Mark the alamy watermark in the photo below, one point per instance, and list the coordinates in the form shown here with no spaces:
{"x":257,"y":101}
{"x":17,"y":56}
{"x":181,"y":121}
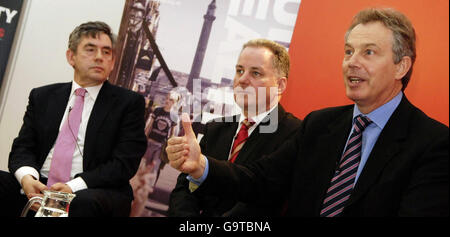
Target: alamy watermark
{"x":253,"y":100}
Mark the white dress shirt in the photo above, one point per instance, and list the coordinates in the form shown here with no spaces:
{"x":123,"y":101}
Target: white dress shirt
{"x":257,"y":119}
{"x":77,"y":161}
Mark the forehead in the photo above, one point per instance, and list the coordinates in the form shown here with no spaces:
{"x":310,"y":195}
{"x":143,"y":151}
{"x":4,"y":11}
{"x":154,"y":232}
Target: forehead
{"x":101,"y":40}
{"x":370,"y":33}
{"x":255,"y":56}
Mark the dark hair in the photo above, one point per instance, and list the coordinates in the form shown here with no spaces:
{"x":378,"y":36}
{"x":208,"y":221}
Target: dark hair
{"x":404,"y":43}
{"x":92,"y":29}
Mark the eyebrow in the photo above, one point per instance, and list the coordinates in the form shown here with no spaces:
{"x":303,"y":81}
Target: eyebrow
{"x":365,"y":45}
{"x":252,"y":68}
{"x":94,"y":45}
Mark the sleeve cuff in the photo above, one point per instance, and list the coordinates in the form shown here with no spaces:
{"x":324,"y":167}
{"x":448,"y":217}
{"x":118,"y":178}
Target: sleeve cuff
{"x":26,"y":170}
{"x":77,"y":184}
{"x":200,"y":180}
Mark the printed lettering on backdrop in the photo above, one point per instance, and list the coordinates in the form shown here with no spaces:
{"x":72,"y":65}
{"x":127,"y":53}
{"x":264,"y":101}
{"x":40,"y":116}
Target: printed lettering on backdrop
{"x":9,"y":16}
{"x":181,"y":55}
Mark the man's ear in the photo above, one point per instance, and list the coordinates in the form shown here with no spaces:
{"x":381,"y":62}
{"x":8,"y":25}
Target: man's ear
{"x":113,"y":61}
{"x":282,"y":84}
{"x":403,"y":67}
{"x":69,"y":55}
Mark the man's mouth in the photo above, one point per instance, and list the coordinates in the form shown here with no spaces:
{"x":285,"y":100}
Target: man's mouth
{"x":98,"y":68}
{"x":355,"y":80}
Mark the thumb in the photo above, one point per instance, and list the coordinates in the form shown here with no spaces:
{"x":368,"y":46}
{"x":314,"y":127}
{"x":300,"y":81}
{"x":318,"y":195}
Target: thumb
{"x":186,"y":122}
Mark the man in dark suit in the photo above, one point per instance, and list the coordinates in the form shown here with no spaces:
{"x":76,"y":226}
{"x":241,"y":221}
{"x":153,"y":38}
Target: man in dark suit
{"x":381,"y":156}
{"x":106,"y":146}
{"x":262,"y":64}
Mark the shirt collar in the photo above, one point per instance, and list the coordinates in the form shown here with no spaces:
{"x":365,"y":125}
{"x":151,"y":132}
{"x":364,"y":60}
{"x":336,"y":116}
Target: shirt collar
{"x":381,"y":115}
{"x":92,"y":91}
{"x":258,"y":118}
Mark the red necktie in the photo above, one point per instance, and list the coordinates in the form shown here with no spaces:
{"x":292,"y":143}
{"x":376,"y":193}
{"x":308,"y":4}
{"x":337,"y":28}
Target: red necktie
{"x":61,"y":164}
{"x":241,"y":137}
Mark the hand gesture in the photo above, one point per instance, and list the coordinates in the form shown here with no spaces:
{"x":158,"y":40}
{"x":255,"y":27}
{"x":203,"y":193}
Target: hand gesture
{"x":184,"y":152}
{"x":32,"y":188}
{"x":61,"y":187}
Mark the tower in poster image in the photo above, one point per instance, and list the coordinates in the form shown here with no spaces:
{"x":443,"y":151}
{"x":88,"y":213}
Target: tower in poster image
{"x":202,"y":45}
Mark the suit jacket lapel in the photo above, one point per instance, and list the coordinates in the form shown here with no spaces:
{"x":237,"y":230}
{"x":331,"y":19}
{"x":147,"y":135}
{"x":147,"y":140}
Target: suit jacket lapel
{"x":386,"y":147}
{"x":227,"y":131}
{"x":329,"y":151}
{"x":55,"y":111}
{"x":103,"y":104}
{"x":257,"y":139}
{"x":219,"y":137}
{"x":228,"y":136}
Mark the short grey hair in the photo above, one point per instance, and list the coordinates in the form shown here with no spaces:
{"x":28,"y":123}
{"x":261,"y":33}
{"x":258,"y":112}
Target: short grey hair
{"x":404,"y":35}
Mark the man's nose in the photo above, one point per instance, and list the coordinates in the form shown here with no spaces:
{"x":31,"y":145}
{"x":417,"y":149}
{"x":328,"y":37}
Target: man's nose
{"x":244,"y":79}
{"x":354,"y":61}
{"x":99,"y":55}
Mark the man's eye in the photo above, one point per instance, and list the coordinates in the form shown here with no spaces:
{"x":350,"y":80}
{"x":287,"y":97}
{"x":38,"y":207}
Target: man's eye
{"x":348,"y":52}
{"x":370,"y":52}
{"x":90,"y":50}
{"x":256,"y":74}
{"x":239,"y":71}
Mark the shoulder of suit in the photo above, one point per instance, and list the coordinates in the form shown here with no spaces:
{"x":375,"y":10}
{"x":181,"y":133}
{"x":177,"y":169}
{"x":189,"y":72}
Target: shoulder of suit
{"x":332,"y":110}
{"x":54,"y":86}
{"x":422,"y":120}
{"x":329,"y":114}
{"x":43,"y":92}
{"x":223,"y":119}
{"x":292,"y":120}
{"x":122,"y":91}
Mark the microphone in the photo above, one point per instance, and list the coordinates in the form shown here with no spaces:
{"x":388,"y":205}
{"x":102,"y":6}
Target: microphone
{"x":71,"y":131}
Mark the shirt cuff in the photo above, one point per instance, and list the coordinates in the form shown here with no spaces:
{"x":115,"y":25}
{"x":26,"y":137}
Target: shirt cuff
{"x":26,"y":170}
{"x":77,"y":184}
{"x":200,"y":180}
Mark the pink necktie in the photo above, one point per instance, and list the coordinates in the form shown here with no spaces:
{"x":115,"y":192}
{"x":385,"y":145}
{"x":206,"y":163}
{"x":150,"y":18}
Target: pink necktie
{"x":61,"y":164}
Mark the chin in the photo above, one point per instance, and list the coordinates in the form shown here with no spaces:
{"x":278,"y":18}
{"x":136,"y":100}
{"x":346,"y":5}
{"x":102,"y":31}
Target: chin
{"x":99,"y":78}
{"x":251,"y":108}
{"x":353,"y":96}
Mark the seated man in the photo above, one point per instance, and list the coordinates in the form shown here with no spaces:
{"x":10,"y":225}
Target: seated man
{"x":84,"y":137}
{"x":262,"y":72}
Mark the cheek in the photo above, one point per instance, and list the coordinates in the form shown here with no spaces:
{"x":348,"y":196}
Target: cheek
{"x":344,"y":66}
{"x":235,"y":82}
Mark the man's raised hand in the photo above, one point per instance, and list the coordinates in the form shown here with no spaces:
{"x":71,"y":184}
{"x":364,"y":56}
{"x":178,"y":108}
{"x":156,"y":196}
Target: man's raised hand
{"x":184,"y":152}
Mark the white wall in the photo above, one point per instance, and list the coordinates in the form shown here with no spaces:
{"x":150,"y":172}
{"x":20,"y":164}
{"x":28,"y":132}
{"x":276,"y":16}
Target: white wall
{"x":38,"y":56}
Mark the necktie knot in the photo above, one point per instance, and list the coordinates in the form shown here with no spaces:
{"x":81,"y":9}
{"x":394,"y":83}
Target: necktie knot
{"x":80,"y":92}
{"x":247,"y":124}
{"x":361,"y":122}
